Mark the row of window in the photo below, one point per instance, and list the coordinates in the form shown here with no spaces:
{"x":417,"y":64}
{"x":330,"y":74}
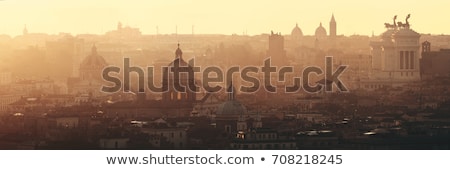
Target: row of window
{"x":374,"y":86}
{"x":264,"y":146}
{"x":172,"y":135}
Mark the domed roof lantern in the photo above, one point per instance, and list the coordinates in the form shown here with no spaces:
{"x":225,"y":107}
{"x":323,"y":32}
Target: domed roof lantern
{"x":178,"y":52}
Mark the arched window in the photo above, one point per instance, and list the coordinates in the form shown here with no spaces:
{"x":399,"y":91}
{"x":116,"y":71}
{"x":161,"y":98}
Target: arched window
{"x":178,"y":96}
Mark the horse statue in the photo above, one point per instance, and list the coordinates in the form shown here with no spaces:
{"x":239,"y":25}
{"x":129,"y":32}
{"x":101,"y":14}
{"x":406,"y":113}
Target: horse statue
{"x":394,"y":23}
{"x":407,"y":22}
{"x":400,"y":24}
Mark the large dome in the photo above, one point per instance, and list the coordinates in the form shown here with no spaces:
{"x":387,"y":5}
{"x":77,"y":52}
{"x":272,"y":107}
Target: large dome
{"x":93,"y":61}
{"x":321,"y":32}
{"x":296,"y":32}
{"x":231,"y":107}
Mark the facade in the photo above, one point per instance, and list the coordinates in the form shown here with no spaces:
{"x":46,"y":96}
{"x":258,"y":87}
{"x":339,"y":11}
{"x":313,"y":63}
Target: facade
{"x":5,"y":77}
{"x":395,"y":58}
{"x":6,"y":99}
{"x":261,"y":139}
{"x":114,"y":143}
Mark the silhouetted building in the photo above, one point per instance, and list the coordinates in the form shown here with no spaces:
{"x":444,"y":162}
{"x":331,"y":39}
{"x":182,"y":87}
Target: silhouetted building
{"x":90,"y":79}
{"x":276,"y":49}
{"x":434,"y":63}
{"x":173,"y":95}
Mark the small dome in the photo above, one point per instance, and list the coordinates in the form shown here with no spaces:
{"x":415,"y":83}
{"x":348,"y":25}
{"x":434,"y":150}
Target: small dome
{"x":178,"y":52}
{"x":320,"y":31}
{"x":181,"y":63}
{"x":178,"y":58}
{"x":296,"y":32}
{"x":231,"y":107}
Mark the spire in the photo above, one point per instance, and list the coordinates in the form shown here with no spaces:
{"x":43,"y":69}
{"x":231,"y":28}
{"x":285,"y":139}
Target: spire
{"x":231,"y":92}
{"x":332,"y":27}
{"x":296,"y":24}
{"x":94,"y":49}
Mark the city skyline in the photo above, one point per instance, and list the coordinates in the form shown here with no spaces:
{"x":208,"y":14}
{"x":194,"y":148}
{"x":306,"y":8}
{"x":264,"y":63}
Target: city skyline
{"x":204,"y":17}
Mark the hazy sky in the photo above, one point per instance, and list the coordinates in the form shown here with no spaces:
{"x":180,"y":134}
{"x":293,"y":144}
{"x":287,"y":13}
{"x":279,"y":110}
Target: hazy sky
{"x":225,"y":16}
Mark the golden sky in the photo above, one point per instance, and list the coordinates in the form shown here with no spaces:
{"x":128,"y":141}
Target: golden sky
{"x":223,"y":17}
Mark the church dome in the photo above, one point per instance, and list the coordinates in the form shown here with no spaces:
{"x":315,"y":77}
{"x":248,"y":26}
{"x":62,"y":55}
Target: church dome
{"x":320,"y":31}
{"x":231,"y":107}
{"x":93,"y":61}
{"x":296,"y":32}
{"x":181,"y":63}
{"x":179,"y":58}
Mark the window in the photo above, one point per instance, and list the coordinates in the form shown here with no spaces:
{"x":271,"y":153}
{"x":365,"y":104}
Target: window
{"x":178,"y":96}
{"x":406,"y":59}
{"x":401,"y":60}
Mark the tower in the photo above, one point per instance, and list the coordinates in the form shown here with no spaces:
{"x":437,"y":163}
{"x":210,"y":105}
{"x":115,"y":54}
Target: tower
{"x":332,"y":27}
{"x":426,"y":47}
{"x":173,"y":82}
{"x":276,"y":49}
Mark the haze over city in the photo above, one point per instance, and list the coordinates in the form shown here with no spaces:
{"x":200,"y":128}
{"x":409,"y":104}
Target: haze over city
{"x":267,"y":75}
{"x":215,"y":17}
